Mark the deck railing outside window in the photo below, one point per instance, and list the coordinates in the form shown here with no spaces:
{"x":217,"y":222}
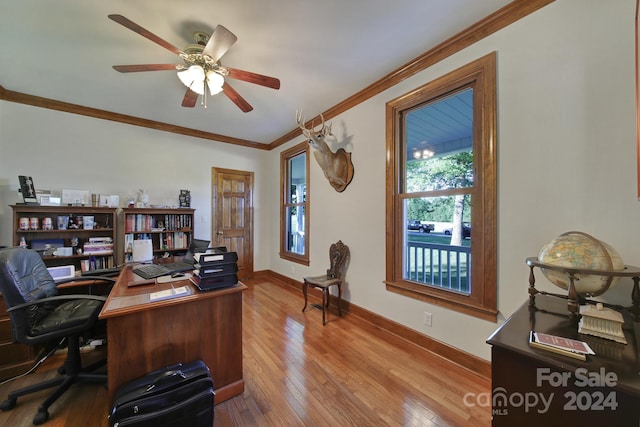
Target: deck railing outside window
{"x":442,"y":266}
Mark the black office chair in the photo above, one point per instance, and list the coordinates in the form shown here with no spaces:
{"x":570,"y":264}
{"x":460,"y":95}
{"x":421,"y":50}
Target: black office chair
{"x":40,"y":315}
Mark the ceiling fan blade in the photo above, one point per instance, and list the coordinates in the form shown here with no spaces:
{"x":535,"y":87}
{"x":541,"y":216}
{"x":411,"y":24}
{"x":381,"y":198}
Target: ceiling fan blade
{"x":190,"y":98}
{"x":250,"y":77}
{"x":236,"y":98}
{"x":219,"y":43}
{"x":144,"y":67}
{"x":144,"y":32}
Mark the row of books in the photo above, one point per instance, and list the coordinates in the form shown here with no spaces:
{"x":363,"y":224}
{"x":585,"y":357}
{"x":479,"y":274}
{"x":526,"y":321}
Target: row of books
{"x":146,"y":222}
{"x":171,"y":240}
{"x":174,"y":240}
{"x":96,"y":263}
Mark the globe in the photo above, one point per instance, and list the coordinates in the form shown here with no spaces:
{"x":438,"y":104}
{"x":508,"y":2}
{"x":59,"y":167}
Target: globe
{"x":576,"y":249}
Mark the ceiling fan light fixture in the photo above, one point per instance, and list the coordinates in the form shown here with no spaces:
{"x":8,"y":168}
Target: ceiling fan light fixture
{"x":214,"y":82}
{"x":193,"y":78}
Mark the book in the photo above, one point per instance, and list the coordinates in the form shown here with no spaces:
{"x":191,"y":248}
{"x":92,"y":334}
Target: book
{"x":560,"y":345}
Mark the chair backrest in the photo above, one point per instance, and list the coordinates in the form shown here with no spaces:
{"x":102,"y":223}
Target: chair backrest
{"x":338,"y":257}
{"x":24,"y":278}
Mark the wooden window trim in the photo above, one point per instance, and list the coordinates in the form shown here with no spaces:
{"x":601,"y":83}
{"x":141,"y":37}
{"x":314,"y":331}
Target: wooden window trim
{"x":482,"y":303}
{"x":296,"y":150}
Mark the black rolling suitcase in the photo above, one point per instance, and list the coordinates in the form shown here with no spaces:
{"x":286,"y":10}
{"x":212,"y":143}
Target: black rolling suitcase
{"x":177,"y":395}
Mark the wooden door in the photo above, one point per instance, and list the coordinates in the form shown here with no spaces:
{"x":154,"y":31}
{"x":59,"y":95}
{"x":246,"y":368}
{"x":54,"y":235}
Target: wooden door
{"x":232,"y":215}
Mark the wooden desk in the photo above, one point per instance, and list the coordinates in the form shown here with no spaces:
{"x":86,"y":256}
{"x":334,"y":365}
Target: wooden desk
{"x":143,"y":336}
{"x":576,"y":390}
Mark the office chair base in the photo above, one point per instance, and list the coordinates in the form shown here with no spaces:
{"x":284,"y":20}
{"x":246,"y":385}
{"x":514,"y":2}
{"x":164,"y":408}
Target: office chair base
{"x":41,"y":417}
{"x":8,"y":404}
{"x":63,"y":383}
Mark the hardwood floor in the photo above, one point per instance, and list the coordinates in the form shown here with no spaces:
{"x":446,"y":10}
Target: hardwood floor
{"x":297,"y":372}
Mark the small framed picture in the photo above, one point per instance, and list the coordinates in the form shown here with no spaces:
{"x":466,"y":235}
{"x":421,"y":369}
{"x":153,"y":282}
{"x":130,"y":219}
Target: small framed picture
{"x":28,"y":190}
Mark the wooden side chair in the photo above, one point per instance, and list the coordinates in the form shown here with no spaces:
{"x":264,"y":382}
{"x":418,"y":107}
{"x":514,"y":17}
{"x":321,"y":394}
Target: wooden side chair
{"x":338,"y":257}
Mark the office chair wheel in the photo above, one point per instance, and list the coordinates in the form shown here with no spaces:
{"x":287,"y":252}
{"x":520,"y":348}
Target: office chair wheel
{"x":41,"y":417}
{"x":8,"y":404}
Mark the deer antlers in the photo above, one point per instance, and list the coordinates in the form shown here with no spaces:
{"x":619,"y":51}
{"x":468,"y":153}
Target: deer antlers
{"x":312,"y":134}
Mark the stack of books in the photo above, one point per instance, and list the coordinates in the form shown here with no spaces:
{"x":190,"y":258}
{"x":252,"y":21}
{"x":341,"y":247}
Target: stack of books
{"x":98,"y":246}
{"x":215,"y":270}
{"x":560,"y":345}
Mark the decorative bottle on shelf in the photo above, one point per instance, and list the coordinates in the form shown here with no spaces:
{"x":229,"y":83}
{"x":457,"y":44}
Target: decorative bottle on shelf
{"x":23,"y":242}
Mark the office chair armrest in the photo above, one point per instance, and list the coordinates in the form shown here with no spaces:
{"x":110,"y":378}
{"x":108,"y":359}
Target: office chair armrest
{"x":55,"y":298}
{"x":109,"y":280}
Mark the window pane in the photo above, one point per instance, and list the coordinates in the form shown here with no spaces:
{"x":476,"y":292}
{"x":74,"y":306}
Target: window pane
{"x":297,"y":178}
{"x":441,"y":148}
{"x":294,"y":199}
{"x":295,"y":229}
{"x":438,"y":142}
{"x":438,"y":252}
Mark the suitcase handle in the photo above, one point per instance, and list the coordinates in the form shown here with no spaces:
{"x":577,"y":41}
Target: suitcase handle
{"x":168,"y":376}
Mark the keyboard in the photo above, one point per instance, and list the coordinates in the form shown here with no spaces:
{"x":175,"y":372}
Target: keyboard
{"x":177,"y":266}
{"x":151,"y":271}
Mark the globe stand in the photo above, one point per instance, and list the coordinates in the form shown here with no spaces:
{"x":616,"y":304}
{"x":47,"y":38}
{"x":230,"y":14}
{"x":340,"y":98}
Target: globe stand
{"x":575,"y":299}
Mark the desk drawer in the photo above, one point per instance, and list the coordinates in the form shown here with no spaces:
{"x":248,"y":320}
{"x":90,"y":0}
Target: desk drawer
{"x":5,"y":331}
{"x":3,"y":307}
{"x":14,"y":353}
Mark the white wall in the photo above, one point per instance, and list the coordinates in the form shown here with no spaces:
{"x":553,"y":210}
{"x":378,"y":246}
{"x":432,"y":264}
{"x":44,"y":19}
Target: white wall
{"x":61,"y":150}
{"x":566,"y":161}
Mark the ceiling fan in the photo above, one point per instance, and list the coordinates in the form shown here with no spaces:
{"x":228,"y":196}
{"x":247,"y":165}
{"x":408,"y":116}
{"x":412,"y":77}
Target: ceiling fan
{"x":201,"y":68}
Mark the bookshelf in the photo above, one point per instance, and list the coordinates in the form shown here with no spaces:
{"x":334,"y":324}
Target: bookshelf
{"x":88,"y":233}
{"x":170,"y":230}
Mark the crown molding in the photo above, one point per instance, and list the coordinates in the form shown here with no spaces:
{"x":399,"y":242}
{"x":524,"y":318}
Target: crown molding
{"x":498,"y":20}
{"x":52,"y":104}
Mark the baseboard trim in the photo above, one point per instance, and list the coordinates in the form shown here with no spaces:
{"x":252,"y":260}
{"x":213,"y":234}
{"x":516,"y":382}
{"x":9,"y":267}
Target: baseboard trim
{"x":467,"y":361}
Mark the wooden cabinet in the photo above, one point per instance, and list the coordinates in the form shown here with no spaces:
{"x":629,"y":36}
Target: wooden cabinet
{"x":533,"y":387}
{"x":89,"y":232}
{"x":170,"y":230}
{"x":14,"y":358}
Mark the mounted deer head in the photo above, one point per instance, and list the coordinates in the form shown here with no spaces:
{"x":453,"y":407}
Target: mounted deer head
{"x":337,"y":167}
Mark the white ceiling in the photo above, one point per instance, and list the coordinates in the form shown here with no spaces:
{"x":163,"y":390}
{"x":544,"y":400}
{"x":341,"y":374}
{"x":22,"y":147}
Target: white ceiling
{"x":322,"y":52}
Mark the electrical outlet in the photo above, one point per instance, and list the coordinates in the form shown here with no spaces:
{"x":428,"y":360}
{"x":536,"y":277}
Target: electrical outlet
{"x":427,"y":318}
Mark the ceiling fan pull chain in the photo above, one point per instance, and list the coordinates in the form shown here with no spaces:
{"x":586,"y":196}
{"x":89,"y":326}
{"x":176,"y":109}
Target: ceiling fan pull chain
{"x":204,"y":96}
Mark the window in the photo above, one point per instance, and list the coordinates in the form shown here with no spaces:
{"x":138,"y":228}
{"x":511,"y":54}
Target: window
{"x":441,"y":191}
{"x":294,"y":204}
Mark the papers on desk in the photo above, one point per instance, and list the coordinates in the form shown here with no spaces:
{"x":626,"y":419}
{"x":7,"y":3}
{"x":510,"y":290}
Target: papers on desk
{"x":168,"y":293}
{"x":130,"y":301}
